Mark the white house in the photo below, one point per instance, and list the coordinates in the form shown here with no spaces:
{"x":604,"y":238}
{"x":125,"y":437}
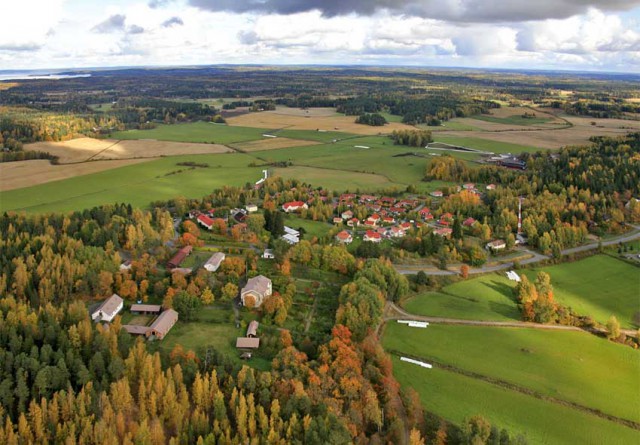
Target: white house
{"x":497,"y":245}
{"x":291,"y":236}
{"x":268,"y":254}
{"x":344,"y":237}
{"x":294,"y":206}
{"x":214,"y":262}
{"x":108,"y":309}
{"x":251,"y":208}
{"x":256,"y":291}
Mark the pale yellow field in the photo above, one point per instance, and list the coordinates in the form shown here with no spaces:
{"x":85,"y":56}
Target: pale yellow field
{"x":83,"y":149}
{"x":506,"y":112}
{"x":272,"y":144}
{"x":299,"y":120}
{"x":15,"y":175}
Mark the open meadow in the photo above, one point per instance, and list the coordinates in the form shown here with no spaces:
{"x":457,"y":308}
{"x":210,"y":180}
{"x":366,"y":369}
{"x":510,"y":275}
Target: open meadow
{"x":456,"y":397}
{"x":570,"y":366}
{"x":203,"y":132}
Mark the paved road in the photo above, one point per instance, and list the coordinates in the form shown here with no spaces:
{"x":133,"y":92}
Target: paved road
{"x":536,"y":257}
{"x":394,"y":312}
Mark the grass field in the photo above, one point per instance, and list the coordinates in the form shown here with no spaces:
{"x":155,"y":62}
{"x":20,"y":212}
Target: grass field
{"x":572,"y":366}
{"x":515,"y":119}
{"x":312,"y":228}
{"x":598,"y":286}
{"x":485,"y":144}
{"x":488,"y":297}
{"x":135,"y":184}
{"x":312,"y":135}
{"x":194,"y":132}
{"x":455,"y":397}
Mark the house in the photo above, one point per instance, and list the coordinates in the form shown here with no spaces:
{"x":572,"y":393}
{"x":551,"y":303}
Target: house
{"x":469,"y":186}
{"x":108,"y":309}
{"x":247,"y":343}
{"x":126,"y":265}
{"x":291,"y":236}
{"x":214,"y":262}
{"x":491,"y":187}
{"x":337,"y":220}
{"x":347,"y":197}
{"x":496,"y":245}
{"x":252,"y":329}
{"x":251,"y":208}
{"x":268,"y":254}
{"x":347,"y":214}
{"x":405,"y":226}
{"x":162,"y":325}
{"x":205,"y":221}
{"x":469,"y":222}
{"x":256,"y":291}
{"x":294,"y":206}
{"x":443,"y":231}
{"x":367,"y":198}
{"x":179,"y":257}
{"x":437,"y":194}
{"x":354,"y":222}
{"x":445,"y":219}
{"x":425,"y":213}
{"x":146,"y":309}
{"x":372,"y":236}
{"x":388,"y":220}
{"x":344,"y":237}
{"x":396,"y":232}
{"x":182,"y":270}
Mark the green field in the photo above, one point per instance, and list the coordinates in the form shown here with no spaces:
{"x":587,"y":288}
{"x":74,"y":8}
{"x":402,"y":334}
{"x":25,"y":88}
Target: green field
{"x":312,"y":228}
{"x":598,"y":286}
{"x":310,"y":135}
{"x":137,"y":184}
{"x":570,"y":365}
{"x":488,"y":297}
{"x":485,"y":144}
{"x":456,"y":397}
{"x":515,"y":119}
{"x":195,"y":132}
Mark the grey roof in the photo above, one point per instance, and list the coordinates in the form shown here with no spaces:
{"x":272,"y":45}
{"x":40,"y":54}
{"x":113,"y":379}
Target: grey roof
{"x":165,"y":321}
{"x":259,"y":284}
{"x":247,"y":343}
{"x":146,"y":308}
{"x":215,"y":260}
{"x":110,"y":305}
{"x":135,"y":329}
{"x":252,"y":329}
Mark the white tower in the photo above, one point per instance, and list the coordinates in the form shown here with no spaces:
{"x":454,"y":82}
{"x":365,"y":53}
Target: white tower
{"x":520,"y":216}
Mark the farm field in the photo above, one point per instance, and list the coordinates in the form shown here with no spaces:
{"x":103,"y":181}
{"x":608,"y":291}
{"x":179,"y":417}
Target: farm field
{"x":272,"y":144}
{"x":313,"y":135}
{"x":598,"y":286}
{"x":19,"y":174}
{"x":204,"y":132}
{"x":474,"y":140}
{"x":339,"y":180}
{"x":137,"y":184}
{"x":89,"y":149}
{"x":570,"y":365}
{"x":456,"y":397}
{"x":299,"y":120}
{"x":485,"y":298}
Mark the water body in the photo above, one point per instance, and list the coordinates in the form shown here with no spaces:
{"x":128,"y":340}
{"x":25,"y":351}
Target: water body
{"x":34,"y":75}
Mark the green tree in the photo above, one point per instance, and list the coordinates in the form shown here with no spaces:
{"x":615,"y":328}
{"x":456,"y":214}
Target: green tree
{"x":187,"y":305}
{"x":476,"y":431}
{"x":613,"y":328}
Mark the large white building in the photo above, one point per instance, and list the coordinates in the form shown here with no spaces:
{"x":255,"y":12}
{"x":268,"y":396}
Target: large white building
{"x":108,"y":309}
{"x":256,"y":291}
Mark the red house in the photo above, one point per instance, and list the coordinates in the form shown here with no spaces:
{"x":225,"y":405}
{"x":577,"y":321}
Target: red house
{"x":205,"y":221}
{"x":179,"y":257}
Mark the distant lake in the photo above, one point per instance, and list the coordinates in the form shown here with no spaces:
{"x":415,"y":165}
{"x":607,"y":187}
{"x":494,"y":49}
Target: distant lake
{"x":32,"y":75}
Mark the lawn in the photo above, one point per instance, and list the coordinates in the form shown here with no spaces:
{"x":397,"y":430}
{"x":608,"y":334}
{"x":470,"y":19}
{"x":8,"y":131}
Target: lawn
{"x":570,"y":365}
{"x":312,"y":228}
{"x":598,"y":286}
{"x":485,"y":144}
{"x":137,"y":184}
{"x":456,"y":397}
{"x":488,"y":297}
{"x":194,"y":132}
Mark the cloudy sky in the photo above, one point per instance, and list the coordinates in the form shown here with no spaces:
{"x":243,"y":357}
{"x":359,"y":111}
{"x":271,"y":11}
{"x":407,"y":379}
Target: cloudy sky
{"x":545,"y":34}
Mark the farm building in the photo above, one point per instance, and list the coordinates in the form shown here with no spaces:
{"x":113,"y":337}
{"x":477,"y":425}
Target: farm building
{"x":135,"y":329}
{"x":247,"y":343}
{"x":146,"y":308}
{"x":344,"y":237}
{"x":163,"y":324}
{"x":256,"y":291}
{"x":126,"y":265}
{"x":205,"y":221}
{"x":251,"y":208}
{"x":291,"y":236}
{"x":252,"y":329}
{"x":214,"y":262}
{"x":496,"y":245}
{"x":108,"y":309}
{"x":268,"y":254}
{"x":179,"y":257}
{"x":182,"y":270}
{"x":294,"y":206}
{"x":372,"y":236}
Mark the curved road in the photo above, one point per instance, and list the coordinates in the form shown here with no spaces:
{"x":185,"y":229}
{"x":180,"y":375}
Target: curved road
{"x":536,"y":257}
{"x":401,"y":314}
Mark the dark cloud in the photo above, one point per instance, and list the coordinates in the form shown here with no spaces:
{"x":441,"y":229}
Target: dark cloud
{"x":113,"y":23}
{"x":135,"y":29}
{"x":159,"y":3}
{"x":452,"y":10}
{"x":173,"y":21}
{"x":20,"y":47}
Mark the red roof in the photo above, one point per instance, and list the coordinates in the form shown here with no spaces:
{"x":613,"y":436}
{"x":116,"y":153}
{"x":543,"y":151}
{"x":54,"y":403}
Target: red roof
{"x":344,"y":235}
{"x":293,"y":204}
{"x":469,"y":222}
{"x":372,"y":234}
{"x":204,"y":219}
{"x":179,"y":257}
{"x":424,"y":211}
{"x":405,"y":225}
{"x":375,"y":217}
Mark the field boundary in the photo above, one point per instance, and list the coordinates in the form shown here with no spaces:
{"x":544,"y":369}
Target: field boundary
{"x":516,"y":388}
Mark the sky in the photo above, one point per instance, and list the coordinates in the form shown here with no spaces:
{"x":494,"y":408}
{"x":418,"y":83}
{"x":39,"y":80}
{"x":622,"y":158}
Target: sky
{"x":593,"y":35}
